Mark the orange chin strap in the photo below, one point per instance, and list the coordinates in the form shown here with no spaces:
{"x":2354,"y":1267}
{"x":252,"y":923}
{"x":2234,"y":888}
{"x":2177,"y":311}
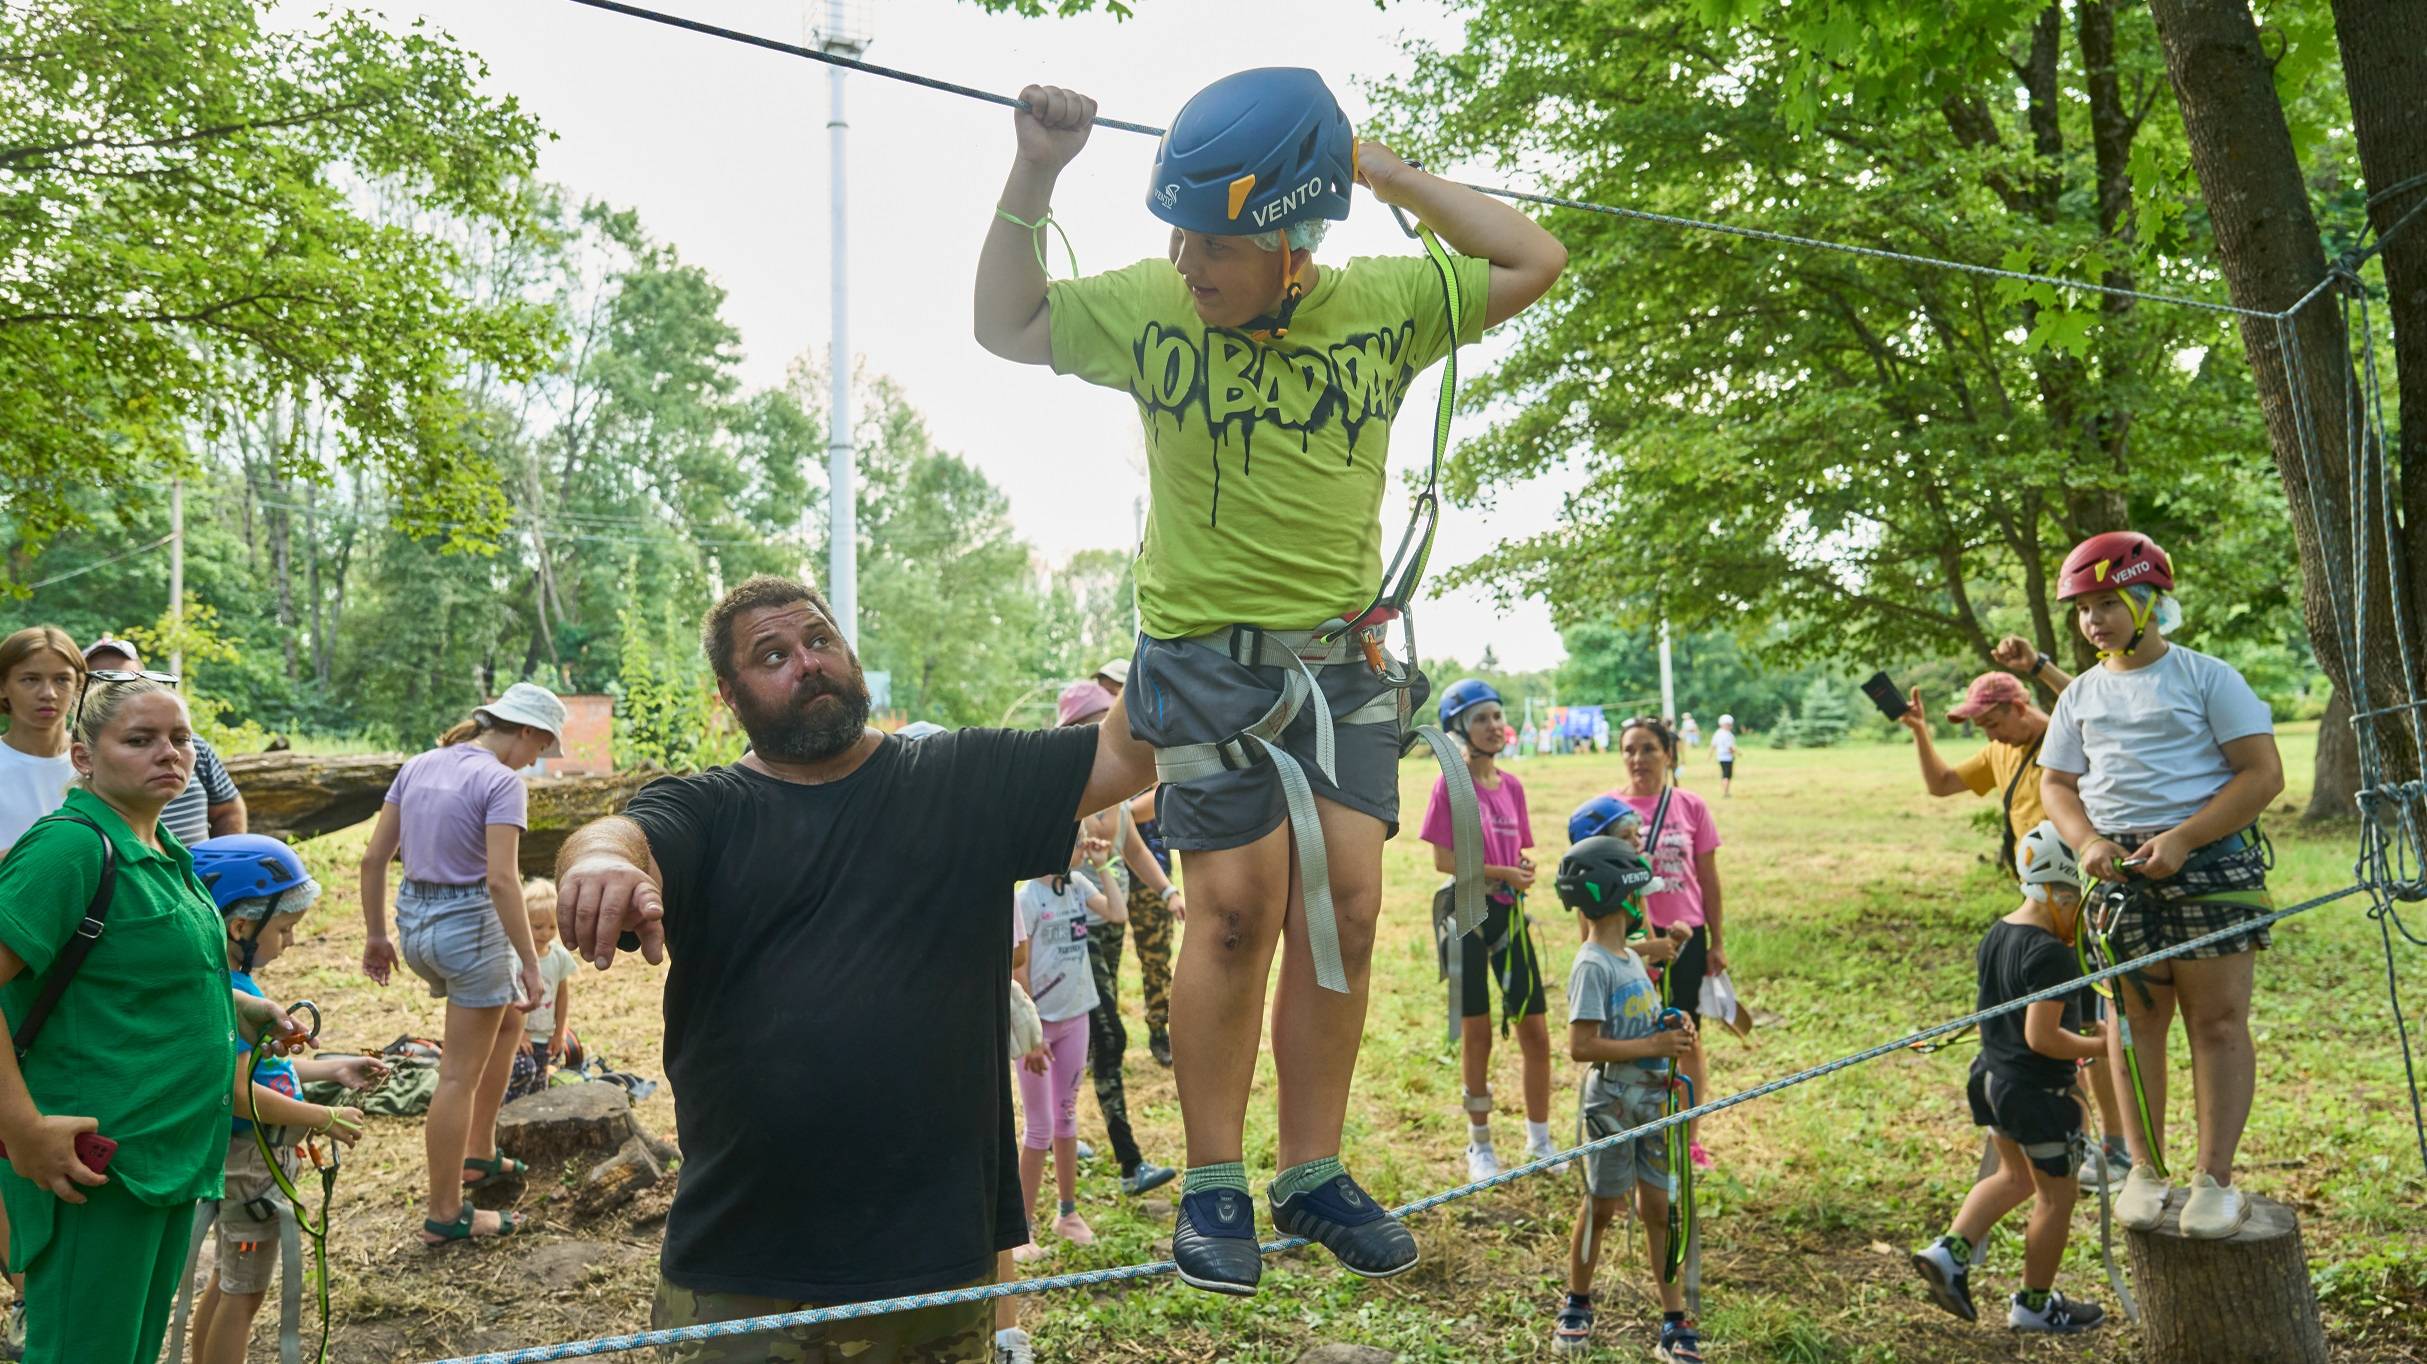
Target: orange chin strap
{"x":1274,"y":326}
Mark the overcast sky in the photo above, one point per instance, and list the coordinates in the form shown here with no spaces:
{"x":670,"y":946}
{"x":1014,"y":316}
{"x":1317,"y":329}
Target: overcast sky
{"x":722,"y":149}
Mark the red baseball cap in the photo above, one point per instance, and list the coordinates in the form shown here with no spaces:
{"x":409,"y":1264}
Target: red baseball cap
{"x":1990,"y":689}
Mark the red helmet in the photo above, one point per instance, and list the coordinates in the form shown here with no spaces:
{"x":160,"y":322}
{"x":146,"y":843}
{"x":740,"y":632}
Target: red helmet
{"x":2117,"y":559}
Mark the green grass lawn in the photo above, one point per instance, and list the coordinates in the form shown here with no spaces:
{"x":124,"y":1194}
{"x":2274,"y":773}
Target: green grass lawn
{"x":1854,"y":901}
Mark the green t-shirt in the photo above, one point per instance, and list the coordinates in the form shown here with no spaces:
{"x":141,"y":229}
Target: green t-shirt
{"x":144,"y":1037}
{"x":1265,"y":459}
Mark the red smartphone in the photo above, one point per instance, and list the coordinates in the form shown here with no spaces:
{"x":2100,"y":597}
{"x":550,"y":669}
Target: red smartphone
{"x":92,"y":1148}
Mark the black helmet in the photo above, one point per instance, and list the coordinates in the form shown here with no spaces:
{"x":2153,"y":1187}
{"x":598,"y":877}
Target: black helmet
{"x":1602,"y":875}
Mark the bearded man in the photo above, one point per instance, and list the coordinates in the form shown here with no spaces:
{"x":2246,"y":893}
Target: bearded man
{"x":837,"y":907}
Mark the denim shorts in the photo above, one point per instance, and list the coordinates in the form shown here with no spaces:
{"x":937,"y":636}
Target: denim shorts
{"x":451,"y":938}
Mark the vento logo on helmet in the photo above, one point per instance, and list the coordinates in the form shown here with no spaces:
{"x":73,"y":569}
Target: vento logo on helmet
{"x":2126,"y":575}
{"x":1168,"y":196}
{"x":1287,"y":202}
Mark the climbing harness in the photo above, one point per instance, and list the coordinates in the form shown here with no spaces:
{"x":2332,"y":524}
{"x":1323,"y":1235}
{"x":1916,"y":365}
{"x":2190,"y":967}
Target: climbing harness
{"x":286,"y":1216}
{"x":1337,"y":642}
{"x":1516,"y":940}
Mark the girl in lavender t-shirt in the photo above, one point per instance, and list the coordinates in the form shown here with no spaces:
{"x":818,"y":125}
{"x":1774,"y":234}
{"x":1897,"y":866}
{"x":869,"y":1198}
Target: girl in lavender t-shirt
{"x":457,"y":814}
{"x":1685,"y":855}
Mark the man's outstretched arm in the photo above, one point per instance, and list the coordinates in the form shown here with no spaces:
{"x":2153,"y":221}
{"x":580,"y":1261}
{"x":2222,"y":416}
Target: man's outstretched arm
{"x":1124,"y":766}
{"x":608,"y":884}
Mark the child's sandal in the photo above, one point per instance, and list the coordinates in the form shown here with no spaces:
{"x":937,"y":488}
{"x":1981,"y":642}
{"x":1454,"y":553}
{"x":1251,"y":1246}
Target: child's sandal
{"x":493,"y":1169}
{"x":449,"y":1233}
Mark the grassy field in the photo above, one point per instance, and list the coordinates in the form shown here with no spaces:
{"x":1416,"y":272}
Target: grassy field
{"x":1854,"y":903}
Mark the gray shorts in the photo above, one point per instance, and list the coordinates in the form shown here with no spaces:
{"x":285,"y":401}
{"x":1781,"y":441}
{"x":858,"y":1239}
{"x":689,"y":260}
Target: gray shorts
{"x":1614,"y":1169}
{"x":1187,"y":692}
{"x":248,"y":1221}
{"x":451,"y":938}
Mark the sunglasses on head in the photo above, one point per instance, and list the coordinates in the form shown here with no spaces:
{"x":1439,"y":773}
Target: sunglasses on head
{"x":113,"y":677}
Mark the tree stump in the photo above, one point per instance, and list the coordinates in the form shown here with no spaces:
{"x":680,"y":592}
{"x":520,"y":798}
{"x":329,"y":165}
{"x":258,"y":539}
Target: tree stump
{"x":2242,"y":1300}
{"x":565,"y":1122}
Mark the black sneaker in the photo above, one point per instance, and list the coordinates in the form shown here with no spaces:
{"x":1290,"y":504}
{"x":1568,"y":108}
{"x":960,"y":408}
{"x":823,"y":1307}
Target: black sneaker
{"x":1344,"y":1220}
{"x":1948,"y":1276}
{"x":1573,"y":1335}
{"x":1148,"y":1176}
{"x":1214,"y":1242}
{"x":2062,"y":1316}
{"x":1159,"y":1043}
{"x":1680,"y":1343}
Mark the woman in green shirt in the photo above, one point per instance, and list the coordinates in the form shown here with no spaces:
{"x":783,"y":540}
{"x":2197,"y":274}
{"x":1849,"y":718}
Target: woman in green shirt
{"x":139,"y":1047}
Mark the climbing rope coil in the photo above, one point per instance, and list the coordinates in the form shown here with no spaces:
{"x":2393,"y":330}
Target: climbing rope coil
{"x":2390,"y":870}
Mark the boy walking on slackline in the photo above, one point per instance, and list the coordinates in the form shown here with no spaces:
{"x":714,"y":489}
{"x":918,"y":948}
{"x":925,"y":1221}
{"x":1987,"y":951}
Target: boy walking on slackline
{"x":2157,"y":765}
{"x":1266,"y":385}
{"x":2023,"y":1090}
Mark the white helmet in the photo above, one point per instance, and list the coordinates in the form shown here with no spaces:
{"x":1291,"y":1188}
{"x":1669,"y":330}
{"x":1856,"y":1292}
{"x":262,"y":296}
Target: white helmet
{"x":1727,"y":722}
{"x":2041,"y":860}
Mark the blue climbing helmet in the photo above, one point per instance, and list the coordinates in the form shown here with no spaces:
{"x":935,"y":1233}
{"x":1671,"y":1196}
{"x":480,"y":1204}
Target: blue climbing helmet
{"x":1254,"y":152}
{"x":1464,"y":695}
{"x":253,"y":876}
{"x":1598,"y":816}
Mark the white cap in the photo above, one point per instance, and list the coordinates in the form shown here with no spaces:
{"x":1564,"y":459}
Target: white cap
{"x":528,"y":703}
{"x":1117,"y":670}
{"x":1727,"y":722}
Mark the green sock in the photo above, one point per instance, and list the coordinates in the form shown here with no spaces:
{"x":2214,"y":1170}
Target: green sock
{"x":1298,"y":1179}
{"x":2035,"y":1298}
{"x":1232,"y":1175}
{"x":1959,"y":1245}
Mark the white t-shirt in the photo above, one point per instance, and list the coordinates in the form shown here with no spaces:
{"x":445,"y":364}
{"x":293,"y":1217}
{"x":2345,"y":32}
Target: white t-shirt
{"x":1723,"y":745}
{"x":2147,"y":744}
{"x":556,"y":966}
{"x":1054,"y":922}
{"x":30,"y":788}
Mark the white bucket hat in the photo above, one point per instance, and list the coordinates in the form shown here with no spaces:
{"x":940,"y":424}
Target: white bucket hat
{"x":1117,"y":670}
{"x":528,"y":703}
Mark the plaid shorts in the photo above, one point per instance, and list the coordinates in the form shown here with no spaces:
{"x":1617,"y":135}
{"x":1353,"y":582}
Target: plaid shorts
{"x":2193,"y":903}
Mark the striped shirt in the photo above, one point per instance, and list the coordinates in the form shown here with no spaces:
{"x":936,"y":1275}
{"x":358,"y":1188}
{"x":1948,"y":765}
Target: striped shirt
{"x":188,"y":817}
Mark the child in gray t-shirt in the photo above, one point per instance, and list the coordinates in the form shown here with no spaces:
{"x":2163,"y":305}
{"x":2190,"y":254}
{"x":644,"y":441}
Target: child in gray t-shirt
{"x":1614,"y":1024}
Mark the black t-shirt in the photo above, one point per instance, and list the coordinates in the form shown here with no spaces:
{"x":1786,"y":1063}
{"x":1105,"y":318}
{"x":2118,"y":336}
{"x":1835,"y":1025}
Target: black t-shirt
{"x":2016,"y":960}
{"x":837,"y":1010}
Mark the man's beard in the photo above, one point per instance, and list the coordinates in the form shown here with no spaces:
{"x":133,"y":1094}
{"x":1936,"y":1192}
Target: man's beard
{"x":786,"y":733}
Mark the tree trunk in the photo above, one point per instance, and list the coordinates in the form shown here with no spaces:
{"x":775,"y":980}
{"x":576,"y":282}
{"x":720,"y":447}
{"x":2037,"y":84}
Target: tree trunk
{"x":2267,"y":240}
{"x":2243,"y":1300}
{"x":2336,"y":773}
{"x":2384,"y":48}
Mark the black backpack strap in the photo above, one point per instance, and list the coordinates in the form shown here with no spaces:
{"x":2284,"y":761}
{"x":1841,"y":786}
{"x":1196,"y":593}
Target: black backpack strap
{"x":79,"y":944}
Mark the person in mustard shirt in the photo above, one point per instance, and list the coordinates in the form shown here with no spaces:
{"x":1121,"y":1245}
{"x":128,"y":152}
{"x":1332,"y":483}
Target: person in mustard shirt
{"x":2007,"y":769}
{"x":1266,"y":385}
{"x":139,"y":1047}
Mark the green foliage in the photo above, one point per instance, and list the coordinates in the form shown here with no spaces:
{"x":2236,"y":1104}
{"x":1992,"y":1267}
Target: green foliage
{"x":1888,"y":459}
{"x":193,"y":637}
{"x":185,"y":205}
{"x":666,"y":710}
{"x":1825,"y":716}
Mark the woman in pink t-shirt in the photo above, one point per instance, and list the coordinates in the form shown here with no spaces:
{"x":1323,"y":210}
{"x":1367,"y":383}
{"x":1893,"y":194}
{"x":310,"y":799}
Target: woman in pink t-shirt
{"x":1685,"y":854}
{"x":1503,"y":948}
{"x":457,"y":814}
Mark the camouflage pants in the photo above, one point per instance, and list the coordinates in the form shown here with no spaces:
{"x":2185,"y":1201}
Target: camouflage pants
{"x":1108,"y":1041}
{"x":1150,"y":924}
{"x":962,"y":1334}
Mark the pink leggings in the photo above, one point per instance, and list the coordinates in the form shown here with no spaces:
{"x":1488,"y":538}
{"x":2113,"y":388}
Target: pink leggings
{"x":1049,"y":1103}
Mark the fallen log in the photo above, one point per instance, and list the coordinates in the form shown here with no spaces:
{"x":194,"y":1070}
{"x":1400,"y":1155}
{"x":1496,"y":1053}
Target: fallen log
{"x":298,"y":796}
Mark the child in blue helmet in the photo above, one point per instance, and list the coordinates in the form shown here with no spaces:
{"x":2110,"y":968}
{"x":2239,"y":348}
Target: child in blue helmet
{"x":1504,"y":949}
{"x":1617,"y":1026}
{"x":262,"y":891}
{"x":1266,"y":385}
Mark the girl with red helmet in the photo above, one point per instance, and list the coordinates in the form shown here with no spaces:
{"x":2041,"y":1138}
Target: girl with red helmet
{"x":2157,"y":766}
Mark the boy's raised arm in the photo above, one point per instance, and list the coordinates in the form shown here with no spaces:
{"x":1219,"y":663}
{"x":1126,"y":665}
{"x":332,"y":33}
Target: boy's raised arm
{"x":1526,"y":259}
{"x":1011,"y":318}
